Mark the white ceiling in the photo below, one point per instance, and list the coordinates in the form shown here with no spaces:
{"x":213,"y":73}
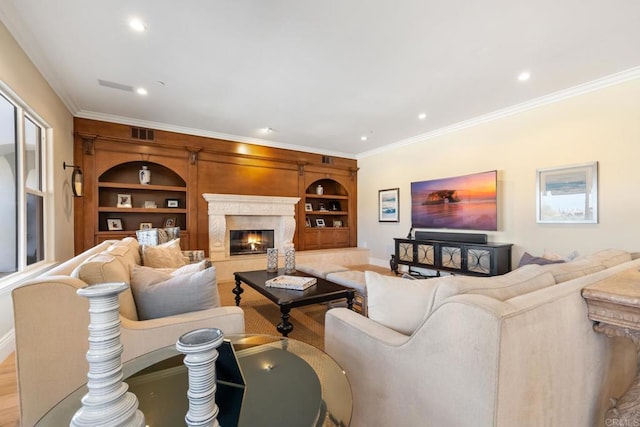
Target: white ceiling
{"x":321,"y":74}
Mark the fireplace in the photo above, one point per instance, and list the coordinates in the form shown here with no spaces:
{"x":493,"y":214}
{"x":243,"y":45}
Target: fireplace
{"x":239,"y":212}
{"x":247,"y":242}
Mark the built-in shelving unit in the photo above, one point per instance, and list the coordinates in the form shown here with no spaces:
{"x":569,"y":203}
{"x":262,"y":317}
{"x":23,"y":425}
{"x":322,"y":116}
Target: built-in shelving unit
{"x":326,"y":215}
{"x":166,"y":188}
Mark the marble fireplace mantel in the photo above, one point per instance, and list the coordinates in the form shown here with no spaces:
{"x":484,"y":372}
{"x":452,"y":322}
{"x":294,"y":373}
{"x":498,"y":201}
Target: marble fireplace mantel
{"x":231,"y":211}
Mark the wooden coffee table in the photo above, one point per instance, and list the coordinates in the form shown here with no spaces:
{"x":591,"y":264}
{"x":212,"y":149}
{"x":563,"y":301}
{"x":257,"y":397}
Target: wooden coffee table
{"x":286,"y":299}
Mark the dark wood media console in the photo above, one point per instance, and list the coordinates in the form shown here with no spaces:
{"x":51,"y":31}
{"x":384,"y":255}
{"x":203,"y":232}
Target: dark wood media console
{"x":459,"y":253}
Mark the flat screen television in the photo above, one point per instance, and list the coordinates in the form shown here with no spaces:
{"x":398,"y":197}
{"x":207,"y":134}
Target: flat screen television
{"x":467,"y":202}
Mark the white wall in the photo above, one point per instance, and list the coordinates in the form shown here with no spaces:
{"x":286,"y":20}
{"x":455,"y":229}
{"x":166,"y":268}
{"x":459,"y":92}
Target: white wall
{"x":601,"y":126}
{"x":23,"y":78}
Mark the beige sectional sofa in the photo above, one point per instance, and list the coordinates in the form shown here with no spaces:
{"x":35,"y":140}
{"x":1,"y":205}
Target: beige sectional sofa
{"x":513,"y":350}
{"x":51,"y":323}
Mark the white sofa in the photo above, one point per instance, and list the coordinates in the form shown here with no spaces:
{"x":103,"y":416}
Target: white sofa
{"x":505,"y":351}
{"x":51,"y":323}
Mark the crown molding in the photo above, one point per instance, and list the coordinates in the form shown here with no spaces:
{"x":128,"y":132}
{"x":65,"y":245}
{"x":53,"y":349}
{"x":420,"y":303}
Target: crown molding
{"x":594,"y":85}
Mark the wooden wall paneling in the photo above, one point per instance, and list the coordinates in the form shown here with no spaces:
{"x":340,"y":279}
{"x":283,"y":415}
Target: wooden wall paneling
{"x":208,"y":165}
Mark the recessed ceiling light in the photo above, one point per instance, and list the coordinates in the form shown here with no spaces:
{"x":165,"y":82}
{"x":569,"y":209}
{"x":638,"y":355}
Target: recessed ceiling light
{"x":524,"y":76}
{"x":137,"y":25}
{"x":363,"y":138}
{"x":422,"y":116}
{"x":141,"y":91}
{"x":267,"y":130}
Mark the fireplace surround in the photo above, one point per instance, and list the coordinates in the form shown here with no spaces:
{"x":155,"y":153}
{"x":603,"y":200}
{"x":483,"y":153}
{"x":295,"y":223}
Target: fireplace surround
{"x":241,"y":212}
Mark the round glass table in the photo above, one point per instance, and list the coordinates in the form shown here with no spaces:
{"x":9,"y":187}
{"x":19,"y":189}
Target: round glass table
{"x":286,"y":383}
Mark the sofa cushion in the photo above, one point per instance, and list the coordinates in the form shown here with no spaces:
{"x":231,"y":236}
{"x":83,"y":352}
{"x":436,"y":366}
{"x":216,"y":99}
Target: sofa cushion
{"x":104,"y":268}
{"x":166,"y":255}
{"x":320,"y":269}
{"x":609,"y":257}
{"x":160,"y":294}
{"x":401,"y":304}
{"x":521,"y":281}
{"x":574,"y":269}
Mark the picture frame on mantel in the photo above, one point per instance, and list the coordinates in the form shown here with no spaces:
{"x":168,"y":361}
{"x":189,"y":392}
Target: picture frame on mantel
{"x":389,"y":205}
{"x":568,"y":194}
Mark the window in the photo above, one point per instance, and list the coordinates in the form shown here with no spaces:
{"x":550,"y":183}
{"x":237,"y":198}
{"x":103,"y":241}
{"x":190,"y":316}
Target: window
{"x":22,"y":185}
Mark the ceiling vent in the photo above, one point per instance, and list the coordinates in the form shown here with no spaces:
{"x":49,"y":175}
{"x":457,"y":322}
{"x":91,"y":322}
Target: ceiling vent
{"x":142,"y":133}
{"x":114,"y":85}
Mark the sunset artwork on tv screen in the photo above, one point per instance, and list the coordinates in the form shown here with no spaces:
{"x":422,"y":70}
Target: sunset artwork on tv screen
{"x":466,"y":202}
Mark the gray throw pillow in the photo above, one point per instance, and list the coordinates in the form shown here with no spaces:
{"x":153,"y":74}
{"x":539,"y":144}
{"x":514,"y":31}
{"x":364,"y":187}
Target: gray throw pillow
{"x":160,"y":294}
{"x":527,"y":259}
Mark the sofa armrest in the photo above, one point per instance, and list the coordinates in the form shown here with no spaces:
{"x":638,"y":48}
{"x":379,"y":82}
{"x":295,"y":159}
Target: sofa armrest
{"x":140,"y":337}
{"x":351,"y":325}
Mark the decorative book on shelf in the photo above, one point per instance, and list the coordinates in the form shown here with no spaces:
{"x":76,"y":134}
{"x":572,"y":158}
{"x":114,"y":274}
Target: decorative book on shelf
{"x":291,"y":282}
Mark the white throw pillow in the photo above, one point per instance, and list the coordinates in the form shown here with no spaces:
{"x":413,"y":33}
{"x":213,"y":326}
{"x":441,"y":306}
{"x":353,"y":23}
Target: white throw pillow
{"x":160,"y":294}
{"x":401,"y":304}
{"x":165,"y":255}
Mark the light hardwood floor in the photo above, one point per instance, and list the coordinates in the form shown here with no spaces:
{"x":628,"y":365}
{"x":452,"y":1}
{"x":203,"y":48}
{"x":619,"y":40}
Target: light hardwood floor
{"x":9,"y":414}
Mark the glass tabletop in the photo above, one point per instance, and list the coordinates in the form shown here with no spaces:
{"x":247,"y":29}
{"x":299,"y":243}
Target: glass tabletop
{"x":287,"y":382}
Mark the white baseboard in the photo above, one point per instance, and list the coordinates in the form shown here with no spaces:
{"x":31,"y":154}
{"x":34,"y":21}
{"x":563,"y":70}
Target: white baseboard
{"x":7,"y":345}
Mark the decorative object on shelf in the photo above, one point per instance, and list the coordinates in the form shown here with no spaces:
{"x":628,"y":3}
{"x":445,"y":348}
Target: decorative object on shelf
{"x":145,"y":175}
{"x":200,"y":350}
{"x":272,"y":260}
{"x":308,"y":207}
{"x":567,"y":194}
{"x":289,"y":259}
{"x":77,"y":179}
{"x":319,"y":190}
{"x":150,"y":204}
{"x":108,"y":402}
{"x":320,"y":222}
{"x":146,"y":226}
{"x":169,"y":222}
{"x":337,"y":223}
{"x":114,"y":224}
{"x":124,"y":201}
{"x":173,"y":203}
{"x":307,"y":222}
{"x":388,"y":205}
{"x":321,"y":207}
{"x":335,"y":206}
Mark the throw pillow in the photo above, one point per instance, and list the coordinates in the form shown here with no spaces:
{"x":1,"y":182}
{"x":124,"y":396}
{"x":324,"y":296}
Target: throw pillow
{"x":160,"y":294}
{"x":400,"y":304}
{"x":166,"y":255}
{"x":527,"y":259}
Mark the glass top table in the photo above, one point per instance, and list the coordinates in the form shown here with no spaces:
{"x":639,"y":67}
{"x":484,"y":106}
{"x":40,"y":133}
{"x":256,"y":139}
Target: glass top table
{"x":288,"y":383}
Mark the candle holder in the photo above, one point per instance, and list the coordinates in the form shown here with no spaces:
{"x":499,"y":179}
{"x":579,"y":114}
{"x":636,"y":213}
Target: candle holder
{"x":289,"y":259}
{"x":272,"y":260}
{"x":108,"y":402}
{"x":199,"y":347}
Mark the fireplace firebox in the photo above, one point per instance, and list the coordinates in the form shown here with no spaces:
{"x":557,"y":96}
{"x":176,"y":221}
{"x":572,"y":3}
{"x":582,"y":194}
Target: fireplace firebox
{"x":247,"y":242}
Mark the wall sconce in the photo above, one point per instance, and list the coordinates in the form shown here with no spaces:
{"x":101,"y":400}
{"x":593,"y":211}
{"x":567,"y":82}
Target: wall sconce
{"x":77,"y":180}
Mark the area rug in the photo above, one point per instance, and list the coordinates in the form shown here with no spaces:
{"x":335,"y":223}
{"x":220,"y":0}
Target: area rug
{"x":261,"y":315}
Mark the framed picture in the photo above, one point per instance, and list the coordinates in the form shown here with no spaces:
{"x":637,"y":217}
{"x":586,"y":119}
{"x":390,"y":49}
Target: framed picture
{"x":146,"y":226}
{"x":308,"y":207}
{"x":567,"y":194}
{"x":150,"y":204}
{"x":124,"y":201}
{"x":337,"y":223}
{"x":169,"y":222}
{"x":114,"y":224}
{"x":320,"y":222}
{"x":173,"y":203}
{"x":307,"y":222}
{"x":388,"y":205}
